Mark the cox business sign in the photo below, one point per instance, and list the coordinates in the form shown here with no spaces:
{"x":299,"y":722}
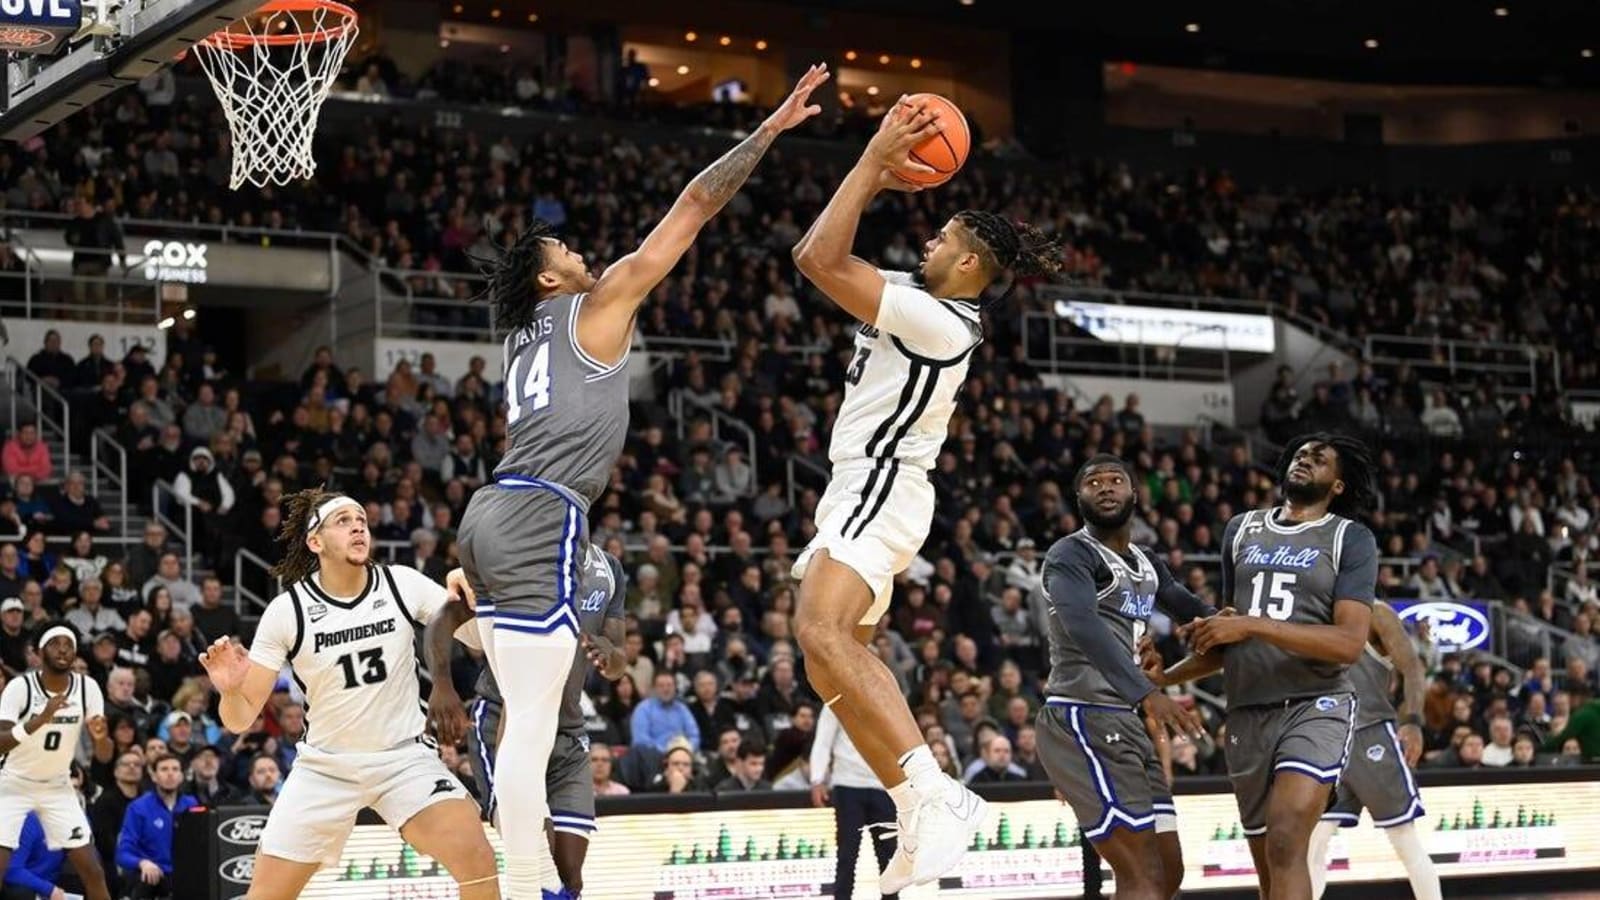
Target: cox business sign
{"x":183,"y":261}
{"x":1454,"y":624}
{"x":1152,"y":326}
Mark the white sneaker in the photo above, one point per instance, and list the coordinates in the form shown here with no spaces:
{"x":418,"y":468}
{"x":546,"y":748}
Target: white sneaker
{"x":944,"y":826}
{"x":897,"y":875}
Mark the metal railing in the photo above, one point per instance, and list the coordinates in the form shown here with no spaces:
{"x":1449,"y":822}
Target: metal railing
{"x":184,"y":531}
{"x":226,"y":233}
{"x":244,"y":562}
{"x":1526,"y":637}
{"x":24,"y":382}
{"x":113,"y":298}
{"x":679,"y":402}
{"x":1131,"y":358}
{"x":1463,"y":360}
{"x":112,"y":462}
{"x":795,"y":464}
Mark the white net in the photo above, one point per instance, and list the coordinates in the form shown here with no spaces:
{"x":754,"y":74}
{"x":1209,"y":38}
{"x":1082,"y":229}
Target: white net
{"x":271,"y":72}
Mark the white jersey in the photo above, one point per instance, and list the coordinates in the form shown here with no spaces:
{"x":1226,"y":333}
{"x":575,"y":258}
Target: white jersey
{"x":900,"y":390}
{"x":47,"y":755}
{"x":353,"y":658}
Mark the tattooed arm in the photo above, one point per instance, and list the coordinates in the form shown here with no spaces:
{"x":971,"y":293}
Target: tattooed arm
{"x":605,"y":322}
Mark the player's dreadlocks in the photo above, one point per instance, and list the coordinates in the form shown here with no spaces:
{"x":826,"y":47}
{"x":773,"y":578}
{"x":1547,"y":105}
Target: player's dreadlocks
{"x":1356,"y":470}
{"x":1014,"y":247}
{"x":298,"y":561}
{"x":511,"y":277}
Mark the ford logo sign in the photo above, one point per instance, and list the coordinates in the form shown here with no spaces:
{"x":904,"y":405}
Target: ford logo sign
{"x":242,"y":829}
{"x":1455,"y":626}
{"x":239,"y":869}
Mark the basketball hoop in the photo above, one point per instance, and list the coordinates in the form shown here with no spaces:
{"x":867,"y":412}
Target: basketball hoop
{"x":271,"y":72}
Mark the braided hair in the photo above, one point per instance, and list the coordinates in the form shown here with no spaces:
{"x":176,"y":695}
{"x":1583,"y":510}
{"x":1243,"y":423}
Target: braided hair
{"x":1014,"y":247}
{"x":1356,"y":470}
{"x":510,"y":277}
{"x":298,"y":561}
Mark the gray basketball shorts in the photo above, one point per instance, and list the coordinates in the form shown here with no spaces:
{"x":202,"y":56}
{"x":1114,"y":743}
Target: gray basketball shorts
{"x":569,"y":783}
{"x":1378,"y":780}
{"x":1306,"y":735}
{"x":1101,"y":759}
{"x":521,"y":547}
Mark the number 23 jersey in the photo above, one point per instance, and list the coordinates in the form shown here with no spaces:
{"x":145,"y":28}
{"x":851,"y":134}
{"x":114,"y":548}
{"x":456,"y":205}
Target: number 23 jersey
{"x":353,"y":657}
{"x":1291,"y":572}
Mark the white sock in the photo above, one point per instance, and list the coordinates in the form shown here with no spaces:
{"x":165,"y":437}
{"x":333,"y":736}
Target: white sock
{"x":904,"y":797}
{"x":1317,"y":857}
{"x":1419,"y":866}
{"x":922,"y":772}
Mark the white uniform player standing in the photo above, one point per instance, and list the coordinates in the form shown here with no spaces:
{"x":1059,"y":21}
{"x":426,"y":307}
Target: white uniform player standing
{"x":347,"y":629}
{"x":42,"y":715}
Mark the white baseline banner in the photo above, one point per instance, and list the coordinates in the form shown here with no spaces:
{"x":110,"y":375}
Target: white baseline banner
{"x":1152,"y":326}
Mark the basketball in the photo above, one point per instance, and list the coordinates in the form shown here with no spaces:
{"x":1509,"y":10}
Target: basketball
{"x":945,"y":152}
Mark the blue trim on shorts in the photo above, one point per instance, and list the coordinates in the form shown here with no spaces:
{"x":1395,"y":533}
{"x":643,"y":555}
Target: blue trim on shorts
{"x":564,"y":616}
{"x":1068,"y":703}
{"x":478,"y":710}
{"x":572,"y":822}
{"x":1115,"y":814}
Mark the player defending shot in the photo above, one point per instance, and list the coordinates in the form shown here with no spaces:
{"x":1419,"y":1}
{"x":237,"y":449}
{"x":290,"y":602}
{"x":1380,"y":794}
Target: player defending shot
{"x":348,"y":629}
{"x":1092,"y":740}
{"x":1378,"y":776}
{"x":521,"y":540}
{"x":601,"y":620}
{"x":918,"y":330}
{"x":41,"y":716}
{"x":1300,"y":580}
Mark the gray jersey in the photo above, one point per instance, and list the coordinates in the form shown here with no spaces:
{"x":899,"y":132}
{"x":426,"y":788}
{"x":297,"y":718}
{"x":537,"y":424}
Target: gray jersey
{"x":602,"y":589}
{"x":1101,"y":604}
{"x":1370,"y":677}
{"x":566,"y":412}
{"x":1291,"y":573}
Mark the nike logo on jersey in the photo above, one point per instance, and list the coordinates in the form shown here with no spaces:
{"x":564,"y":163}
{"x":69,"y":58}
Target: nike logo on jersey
{"x":442,"y":786}
{"x":346,"y":635}
{"x":379,"y":603}
{"x":317,"y":612}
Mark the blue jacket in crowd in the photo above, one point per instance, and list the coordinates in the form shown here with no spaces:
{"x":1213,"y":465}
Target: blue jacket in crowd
{"x":147,"y":831}
{"x":34,"y":866}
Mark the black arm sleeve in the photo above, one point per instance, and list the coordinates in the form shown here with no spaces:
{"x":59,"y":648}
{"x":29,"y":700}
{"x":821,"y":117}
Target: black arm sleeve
{"x":1069,"y":583}
{"x":1228,"y":535}
{"x":1179,"y":602}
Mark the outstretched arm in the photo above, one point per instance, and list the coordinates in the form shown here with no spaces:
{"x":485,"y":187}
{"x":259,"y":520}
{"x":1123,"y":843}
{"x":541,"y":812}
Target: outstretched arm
{"x":605,"y":322}
{"x":823,"y":254}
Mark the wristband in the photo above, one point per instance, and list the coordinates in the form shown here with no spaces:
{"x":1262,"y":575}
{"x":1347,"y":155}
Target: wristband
{"x":1412,"y":719}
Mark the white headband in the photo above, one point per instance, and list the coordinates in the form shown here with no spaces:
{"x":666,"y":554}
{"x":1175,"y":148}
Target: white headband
{"x":56,"y":631}
{"x":326,"y":511}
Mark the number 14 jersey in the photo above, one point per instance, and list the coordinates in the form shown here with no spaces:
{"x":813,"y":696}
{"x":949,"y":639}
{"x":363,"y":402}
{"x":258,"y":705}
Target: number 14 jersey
{"x":354,"y":658}
{"x":1291,"y":572}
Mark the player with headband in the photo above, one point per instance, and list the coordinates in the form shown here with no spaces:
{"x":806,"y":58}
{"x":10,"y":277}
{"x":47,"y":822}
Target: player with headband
{"x":347,"y":627}
{"x":41,"y":717}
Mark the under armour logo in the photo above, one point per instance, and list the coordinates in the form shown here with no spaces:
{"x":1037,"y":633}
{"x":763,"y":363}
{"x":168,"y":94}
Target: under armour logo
{"x":1233,"y":739}
{"x":1113,"y":737}
{"x":442,"y":786}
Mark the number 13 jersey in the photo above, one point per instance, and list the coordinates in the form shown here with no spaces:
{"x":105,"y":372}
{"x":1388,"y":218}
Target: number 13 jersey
{"x":1291,"y":572}
{"x":354,"y":658}
{"x":566,"y":412}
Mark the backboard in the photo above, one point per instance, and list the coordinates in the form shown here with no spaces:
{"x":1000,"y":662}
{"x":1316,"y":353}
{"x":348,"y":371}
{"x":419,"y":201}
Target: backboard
{"x":62,"y":55}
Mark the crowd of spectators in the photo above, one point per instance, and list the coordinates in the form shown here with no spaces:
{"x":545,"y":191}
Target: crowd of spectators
{"x":715,"y":696}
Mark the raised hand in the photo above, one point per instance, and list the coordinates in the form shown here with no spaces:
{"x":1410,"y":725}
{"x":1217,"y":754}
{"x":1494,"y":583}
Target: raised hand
{"x":227,"y":663}
{"x":902,"y":129}
{"x":797,"y":107}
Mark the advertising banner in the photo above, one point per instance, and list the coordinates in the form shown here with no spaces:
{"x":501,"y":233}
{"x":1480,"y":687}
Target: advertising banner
{"x":1454,"y":625}
{"x":1153,"y":326}
{"x":183,"y":257}
{"x":1026,"y":849}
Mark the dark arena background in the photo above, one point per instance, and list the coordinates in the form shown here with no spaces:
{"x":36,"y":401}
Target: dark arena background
{"x":1378,"y":219}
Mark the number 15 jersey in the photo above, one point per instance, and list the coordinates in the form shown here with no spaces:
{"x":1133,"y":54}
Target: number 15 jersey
{"x":354,"y":658}
{"x":1292,"y":572}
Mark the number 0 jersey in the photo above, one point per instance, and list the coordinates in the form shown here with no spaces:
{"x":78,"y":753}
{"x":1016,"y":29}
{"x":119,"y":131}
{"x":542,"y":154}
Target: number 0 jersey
{"x":47,"y":756}
{"x":566,"y":412}
{"x":901,"y":386}
{"x":353,"y":657}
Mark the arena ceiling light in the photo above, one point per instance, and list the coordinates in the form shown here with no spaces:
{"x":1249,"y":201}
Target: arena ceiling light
{"x":1587,"y":53}
{"x":761,"y":45}
{"x":690,"y":36}
{"x":1370,"y":43}
{"x":1192,"y":28}
{"x":1501,"y":11}
{"x":916,"y":63}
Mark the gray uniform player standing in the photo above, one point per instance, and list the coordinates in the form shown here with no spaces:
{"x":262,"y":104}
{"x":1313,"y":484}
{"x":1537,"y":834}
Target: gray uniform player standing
{"x":568,"y":334}
{"x":1092,"y":740}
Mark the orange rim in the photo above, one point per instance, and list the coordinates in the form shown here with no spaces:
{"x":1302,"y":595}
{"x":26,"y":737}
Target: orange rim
{"x":234,"y":40}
